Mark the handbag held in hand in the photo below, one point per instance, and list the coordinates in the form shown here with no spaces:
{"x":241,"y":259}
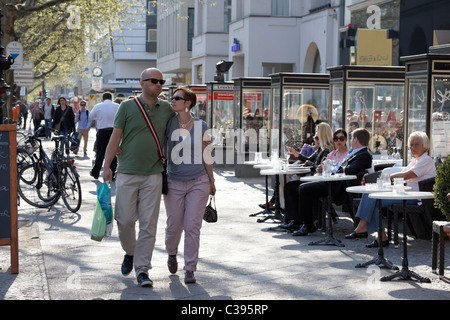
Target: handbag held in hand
{"x":210,"y":215}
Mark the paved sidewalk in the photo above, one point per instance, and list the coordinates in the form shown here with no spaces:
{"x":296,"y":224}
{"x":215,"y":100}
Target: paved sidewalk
{"x":240,"y":259}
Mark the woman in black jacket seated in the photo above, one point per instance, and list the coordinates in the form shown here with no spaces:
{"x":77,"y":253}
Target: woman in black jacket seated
{"x":325,"y":138}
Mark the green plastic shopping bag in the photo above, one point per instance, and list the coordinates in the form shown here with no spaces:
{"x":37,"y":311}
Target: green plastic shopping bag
{"x":103,"y":215}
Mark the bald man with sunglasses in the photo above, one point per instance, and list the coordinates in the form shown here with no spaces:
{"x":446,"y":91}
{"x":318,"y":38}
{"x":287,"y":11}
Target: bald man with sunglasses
{"x":138,"y":179}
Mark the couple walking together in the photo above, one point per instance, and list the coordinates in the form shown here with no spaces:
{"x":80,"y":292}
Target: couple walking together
{"x":139,"y":179}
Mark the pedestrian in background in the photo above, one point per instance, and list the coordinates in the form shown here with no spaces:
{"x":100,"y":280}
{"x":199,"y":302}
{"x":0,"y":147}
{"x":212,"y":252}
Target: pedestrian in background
{"x":49,"y":111}
{"x":139,"y":179}
{"x":191,"y":181}
{"x":37,"y":114}
{"x":64,"y":121}
{"x":104,"y":114}
{"x":24,"y":112}
{"x":84,"y":124}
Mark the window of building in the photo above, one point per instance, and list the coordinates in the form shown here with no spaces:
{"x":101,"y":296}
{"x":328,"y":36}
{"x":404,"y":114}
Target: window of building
{"x":152,"y":7}
{"x":190,"y":29}
{"x":280,"y":8}
{"x":199,"y":73}
{"x":227,"y":17}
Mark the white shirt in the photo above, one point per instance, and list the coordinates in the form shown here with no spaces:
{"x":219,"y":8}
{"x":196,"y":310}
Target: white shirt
{"x":104,"y":114}
{"x":423,"y":167}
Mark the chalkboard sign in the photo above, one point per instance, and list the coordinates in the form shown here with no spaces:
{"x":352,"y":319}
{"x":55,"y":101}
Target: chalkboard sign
{"x":5,"y":191}
{"x":8,"y":192}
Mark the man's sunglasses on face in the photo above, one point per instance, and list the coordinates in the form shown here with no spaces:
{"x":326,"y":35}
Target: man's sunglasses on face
{"x":155,"y":81}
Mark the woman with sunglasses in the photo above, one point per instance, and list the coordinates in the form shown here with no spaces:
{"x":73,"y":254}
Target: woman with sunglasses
{"x":420,"y":168}
{"x":191,"y":181}
{"x":340,"y":148}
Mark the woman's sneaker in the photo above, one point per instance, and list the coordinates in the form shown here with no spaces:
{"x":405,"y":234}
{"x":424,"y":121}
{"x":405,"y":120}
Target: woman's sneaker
{"x":143,"y":280}
{"x":189,"y":277}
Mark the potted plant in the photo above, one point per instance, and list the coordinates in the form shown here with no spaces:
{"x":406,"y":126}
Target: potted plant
{"x":442,"y":187}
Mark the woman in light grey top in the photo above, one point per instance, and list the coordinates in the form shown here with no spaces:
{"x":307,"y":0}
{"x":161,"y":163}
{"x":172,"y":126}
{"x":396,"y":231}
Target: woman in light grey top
{"x":191,"y":181}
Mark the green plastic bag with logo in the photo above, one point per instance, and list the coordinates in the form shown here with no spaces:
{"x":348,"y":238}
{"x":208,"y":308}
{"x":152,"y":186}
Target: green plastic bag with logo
{"x":103,"y":215}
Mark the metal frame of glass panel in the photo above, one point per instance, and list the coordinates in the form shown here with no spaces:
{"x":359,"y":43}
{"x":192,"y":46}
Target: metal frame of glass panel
{"x":427,"y":97}
{"x":251,"y":120}
{"x":298,"y":101}
{"x":370,"y":97}
{"x":200,"y":108}
{"x":220,"y":119}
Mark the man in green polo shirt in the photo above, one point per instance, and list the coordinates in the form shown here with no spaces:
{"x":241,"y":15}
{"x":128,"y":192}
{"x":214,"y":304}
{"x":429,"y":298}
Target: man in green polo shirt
{"x":138,"y":179}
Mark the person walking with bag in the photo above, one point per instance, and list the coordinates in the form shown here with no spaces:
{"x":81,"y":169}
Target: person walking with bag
{"x":64,"y":121}
{"x":139,"y":179}
{"x":191,"y":181}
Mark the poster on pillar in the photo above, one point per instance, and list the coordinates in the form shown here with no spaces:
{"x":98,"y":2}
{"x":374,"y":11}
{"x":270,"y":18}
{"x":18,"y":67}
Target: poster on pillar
{"x":373,"y":49}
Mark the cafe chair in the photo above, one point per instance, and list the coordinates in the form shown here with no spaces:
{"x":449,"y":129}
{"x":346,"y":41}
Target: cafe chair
{"x":420,"y":217}
{"x":380,"y":167}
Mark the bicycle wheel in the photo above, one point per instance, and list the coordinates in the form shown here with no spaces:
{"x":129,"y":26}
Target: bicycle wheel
{"x":24,"y":158}
{"x":71,"y":189}
{"x":36,"y":186}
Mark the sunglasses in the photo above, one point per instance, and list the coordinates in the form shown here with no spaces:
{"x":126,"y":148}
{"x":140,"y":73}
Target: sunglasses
{"x":341,"y":138}
{"x":155,"y":81}
{"x":83,"y":105}
{"x":179,"y":98}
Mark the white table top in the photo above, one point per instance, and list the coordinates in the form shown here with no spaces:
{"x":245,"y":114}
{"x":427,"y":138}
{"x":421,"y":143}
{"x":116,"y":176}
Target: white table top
{"x":267,"y":165}
{"x":295,"y":170}
{"x":330,"y":178}
{"x":408,"y":195}
{"x":254,"y":163}
{"x":371,"y":189}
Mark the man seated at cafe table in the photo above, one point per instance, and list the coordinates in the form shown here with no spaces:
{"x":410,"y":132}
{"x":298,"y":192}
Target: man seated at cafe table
{"x":420,"y":168}
{"x":357,"y":162}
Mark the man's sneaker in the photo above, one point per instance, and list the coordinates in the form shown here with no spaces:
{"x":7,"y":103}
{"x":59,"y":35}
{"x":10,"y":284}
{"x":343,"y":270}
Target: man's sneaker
{"x":143,"y":280}
{"x":172,"y":263}
{"x":127,"y":265}
{"x":189,"y":277}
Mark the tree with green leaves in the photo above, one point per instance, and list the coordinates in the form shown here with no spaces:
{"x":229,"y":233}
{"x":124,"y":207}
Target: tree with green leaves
{"x":57,"y":35}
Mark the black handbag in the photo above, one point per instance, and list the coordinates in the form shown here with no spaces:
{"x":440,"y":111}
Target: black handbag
{"x":210,"y":215}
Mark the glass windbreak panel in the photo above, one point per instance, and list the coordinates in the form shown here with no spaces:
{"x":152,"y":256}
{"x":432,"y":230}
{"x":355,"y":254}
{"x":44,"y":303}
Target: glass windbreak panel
{"x":199,"y":110}
{"x":255,"y":118}
{"x":417,"y":106}
{"x":440,"y":123}
{"x":337,"y":105}
{"x":222,"y":116}
{"x":379,"y":109}
{"x":303,"y":109}
{"x":237,"y":109}
{"x":274,"y":120}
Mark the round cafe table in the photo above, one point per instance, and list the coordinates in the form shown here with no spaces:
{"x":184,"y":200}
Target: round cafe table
{"x":292,"y":169}
{"x":379,"y":259}
{"x":265,"y":164}
{"x":405,"y":273}
{"x":330,"y":239}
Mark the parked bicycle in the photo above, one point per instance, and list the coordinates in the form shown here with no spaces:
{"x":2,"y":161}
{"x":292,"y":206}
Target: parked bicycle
{"x":25,"y":150}
{"x":43,"y":183}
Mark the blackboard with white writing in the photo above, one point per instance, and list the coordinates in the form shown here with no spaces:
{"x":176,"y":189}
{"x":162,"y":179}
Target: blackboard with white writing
{"x":5,"y":186}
